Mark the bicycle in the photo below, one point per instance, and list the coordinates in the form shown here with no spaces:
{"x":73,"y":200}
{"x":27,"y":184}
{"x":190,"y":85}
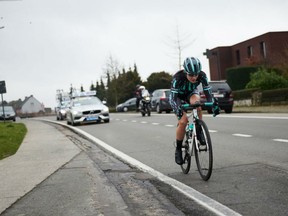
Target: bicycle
{"x":197,"y":144}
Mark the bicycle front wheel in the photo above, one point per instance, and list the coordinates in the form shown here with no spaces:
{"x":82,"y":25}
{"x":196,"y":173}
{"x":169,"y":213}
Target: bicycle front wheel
{"x":204,"y":154}
{"x":186,"y":158}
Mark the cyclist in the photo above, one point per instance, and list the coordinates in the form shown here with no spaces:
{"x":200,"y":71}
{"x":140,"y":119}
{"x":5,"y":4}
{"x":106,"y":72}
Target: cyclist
{"x":184,"y":89}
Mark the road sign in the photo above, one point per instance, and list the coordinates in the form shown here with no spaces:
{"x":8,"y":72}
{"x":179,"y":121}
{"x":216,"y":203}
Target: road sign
{"x":2,"y":87}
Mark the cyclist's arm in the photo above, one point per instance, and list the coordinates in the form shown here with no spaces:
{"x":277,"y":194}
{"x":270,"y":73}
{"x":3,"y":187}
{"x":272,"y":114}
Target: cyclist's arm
{"x":175,"y":101}
{"x":206,"y":87}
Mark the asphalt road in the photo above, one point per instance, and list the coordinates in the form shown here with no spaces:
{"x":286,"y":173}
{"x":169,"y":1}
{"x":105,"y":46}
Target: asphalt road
{"x":250,"y":156}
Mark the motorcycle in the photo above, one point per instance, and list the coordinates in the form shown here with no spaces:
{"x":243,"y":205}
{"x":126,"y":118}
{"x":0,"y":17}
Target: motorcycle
{"x":145,"y":105}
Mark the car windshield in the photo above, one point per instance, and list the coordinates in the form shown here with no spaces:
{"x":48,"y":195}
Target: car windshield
{"x":215,"y":86}
{"x":86,"y":101}
{"x":6,"y":109}
{"x":167,"y":93}
{"x":64,"y":105}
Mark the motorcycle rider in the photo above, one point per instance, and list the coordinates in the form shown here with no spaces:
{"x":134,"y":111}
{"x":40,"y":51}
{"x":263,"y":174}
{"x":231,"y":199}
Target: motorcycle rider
{"x":140,"y":92}
{"x":184,"y":89}
{"x":138,"y":95}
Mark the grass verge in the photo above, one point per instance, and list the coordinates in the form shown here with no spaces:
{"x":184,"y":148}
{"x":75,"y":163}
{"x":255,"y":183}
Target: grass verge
{"x":11,"y":137}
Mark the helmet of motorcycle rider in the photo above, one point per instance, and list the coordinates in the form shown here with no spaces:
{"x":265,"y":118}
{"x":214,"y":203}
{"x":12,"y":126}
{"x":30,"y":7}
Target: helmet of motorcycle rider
{"x":137,"y":86}
{"x":192,"y":66}
{"x":141,"y":87}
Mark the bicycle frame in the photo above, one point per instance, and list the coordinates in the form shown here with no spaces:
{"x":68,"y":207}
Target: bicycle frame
{"x":200,"y":147}
{"x":190,"y":128}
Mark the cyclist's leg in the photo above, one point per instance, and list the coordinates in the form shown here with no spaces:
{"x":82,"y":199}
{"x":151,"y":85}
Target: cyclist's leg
{"x":180,"y":131}
{"x":193,"y":98}
{"x":180,"y":134}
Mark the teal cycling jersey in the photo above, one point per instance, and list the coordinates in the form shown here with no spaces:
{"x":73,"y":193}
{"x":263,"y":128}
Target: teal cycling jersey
{"x":182,"y":89}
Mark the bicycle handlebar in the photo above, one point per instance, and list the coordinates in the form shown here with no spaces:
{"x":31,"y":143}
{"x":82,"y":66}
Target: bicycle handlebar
{"x":193,"y":106}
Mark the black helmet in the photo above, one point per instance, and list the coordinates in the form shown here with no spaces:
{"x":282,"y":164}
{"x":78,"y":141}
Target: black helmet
{"x":192,"y":66}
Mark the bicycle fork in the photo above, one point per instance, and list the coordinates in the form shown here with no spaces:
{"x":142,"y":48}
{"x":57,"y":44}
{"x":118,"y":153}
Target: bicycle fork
{"x":191,"y":135}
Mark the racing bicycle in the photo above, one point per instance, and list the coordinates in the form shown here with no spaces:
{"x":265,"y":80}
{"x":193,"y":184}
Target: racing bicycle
{"x":197,"y":142}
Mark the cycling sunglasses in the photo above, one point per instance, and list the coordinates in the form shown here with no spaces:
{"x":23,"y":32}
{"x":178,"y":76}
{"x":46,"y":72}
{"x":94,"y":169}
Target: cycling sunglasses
{"x":192,"y":75}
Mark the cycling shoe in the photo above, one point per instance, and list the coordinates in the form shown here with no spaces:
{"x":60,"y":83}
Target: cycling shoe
{"x":178,"y":157}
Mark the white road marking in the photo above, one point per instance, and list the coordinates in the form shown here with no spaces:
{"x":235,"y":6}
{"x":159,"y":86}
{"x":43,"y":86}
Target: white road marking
{"x":242,"y":135}
{"x":124,"y":120}
{"x":133,"y":121}
{"x":249,"y":117}
{"x":203,"y":200}
{"x":213,"y":131}
{"x":155,"y":123}
{"x":169,"y":125}
{"x":281,"y":140}
{"x":143,"y":122}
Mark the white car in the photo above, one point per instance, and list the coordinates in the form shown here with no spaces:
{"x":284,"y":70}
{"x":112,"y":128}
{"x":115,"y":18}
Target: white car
{"x":86,"y":110}
{"x":9,"y":113}
{"x":61,"y":110}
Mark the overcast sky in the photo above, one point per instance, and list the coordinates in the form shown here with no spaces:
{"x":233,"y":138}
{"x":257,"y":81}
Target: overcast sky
{"x":47,"y":45}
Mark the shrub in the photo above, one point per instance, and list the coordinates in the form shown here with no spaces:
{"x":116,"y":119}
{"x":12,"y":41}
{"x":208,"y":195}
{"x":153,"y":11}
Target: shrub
{"x":266,"y":80}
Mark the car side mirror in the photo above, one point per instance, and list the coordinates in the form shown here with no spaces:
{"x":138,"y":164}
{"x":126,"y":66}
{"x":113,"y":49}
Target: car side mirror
{"x":104,"y":102}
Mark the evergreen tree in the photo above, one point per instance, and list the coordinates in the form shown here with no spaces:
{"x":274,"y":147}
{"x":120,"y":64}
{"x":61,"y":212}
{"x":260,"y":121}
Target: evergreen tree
{"x":159,"y":80}
{"x":82,"y":89}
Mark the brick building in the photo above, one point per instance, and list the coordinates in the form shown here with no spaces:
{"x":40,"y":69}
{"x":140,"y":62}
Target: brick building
{"x":268,"y":49}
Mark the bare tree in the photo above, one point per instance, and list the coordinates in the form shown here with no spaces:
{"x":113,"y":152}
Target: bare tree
{"x":112,"y":70}
{"x":179,"y":43}
{"x":112,"y":67}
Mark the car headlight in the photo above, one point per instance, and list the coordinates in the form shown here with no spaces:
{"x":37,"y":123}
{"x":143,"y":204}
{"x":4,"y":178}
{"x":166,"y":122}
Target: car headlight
{"x":63,"y":112}
{"x":75,"y":112}
{"x":105,"y":109}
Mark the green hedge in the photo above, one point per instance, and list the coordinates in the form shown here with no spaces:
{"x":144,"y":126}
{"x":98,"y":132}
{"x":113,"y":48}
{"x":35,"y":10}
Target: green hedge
{"x":276,"y":95}
{"x":238,"y":77}
{"x":263,"y":97}
{"x":244,"y":94}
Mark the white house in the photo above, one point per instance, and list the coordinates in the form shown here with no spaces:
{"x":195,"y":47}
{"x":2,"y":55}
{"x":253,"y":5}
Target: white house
{"x":31,"y":105}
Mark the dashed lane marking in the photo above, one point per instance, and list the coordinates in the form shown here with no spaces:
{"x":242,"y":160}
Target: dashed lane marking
{"x":242,"y":135}
{"x":169,"y":125}
{"x":281,"y":140}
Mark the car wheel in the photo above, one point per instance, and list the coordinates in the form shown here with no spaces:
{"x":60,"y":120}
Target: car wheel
{"x":209,"y":111}
{"x":158,"y":110}
{"x":125,"y":109}
{"x":72,"y":121}
{"x":228,"y":110}
{"x":107,"y":120}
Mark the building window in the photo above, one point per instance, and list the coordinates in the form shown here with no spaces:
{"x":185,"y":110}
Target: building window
{"x":238,"y":57}
{"x":250,"y":51}
{"x":263,"y":49}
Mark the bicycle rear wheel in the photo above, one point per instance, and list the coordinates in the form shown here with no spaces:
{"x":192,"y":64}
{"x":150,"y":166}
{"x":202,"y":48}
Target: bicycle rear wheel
{"x":186,"y":159}
{"x":204,"y":154}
